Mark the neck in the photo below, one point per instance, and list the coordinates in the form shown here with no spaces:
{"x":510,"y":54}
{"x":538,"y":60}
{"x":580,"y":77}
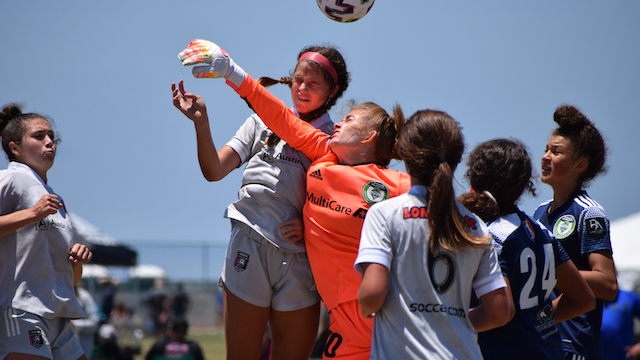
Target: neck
{"x":561,"y":195}
{"x":361,"y":155}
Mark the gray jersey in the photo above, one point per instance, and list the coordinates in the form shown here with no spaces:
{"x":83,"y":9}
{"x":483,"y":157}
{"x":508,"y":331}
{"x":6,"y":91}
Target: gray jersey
{"x":273,"y":182}
{"x":425,"y":313}
{"x":40,"y":276}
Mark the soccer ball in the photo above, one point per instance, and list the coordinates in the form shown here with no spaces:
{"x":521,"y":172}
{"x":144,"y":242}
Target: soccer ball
{"x":345,"y":11}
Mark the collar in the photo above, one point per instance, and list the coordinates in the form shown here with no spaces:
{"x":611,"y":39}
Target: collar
{"x":419,"y":190}
{"x":14,"y":165}
{"x":317,"y":123}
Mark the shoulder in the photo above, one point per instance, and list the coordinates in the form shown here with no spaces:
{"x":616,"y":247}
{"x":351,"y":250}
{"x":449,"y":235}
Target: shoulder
{"x":476,"y":226}
{"x":587,"y":206}
{"x":17,"y":180}
{"x":541,"y":209}
{"x":504,"y":227}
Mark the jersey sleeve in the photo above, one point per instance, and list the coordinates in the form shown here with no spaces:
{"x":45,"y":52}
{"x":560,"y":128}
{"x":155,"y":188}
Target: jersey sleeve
{"x":489,"y":275}
{"x":375,"y":241}
{"x":244,"y":141}
{"x":561,"y":255}
{"x":300,"y":135}
{"x":9,"y":195}
{"x":594,"y":224}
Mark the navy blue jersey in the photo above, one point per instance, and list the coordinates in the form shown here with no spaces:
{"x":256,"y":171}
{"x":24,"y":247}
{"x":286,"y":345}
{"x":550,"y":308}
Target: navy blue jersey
{"x":582,"y":227}
{"x":528,"y":255}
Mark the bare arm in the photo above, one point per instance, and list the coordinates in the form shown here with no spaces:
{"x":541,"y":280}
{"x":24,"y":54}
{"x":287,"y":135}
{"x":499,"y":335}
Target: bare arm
{"x":602,"y":277}
{"x":494,"y":311}
{"x":47,"y":205}
{"x":78,"y":255}
{"x":215,"y":165}
{"x":373,"y":288}
{"x":576,"y":298}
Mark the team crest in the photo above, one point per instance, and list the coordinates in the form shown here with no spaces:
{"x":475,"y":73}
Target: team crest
{"x":564,"y":226}
{"x":545,"y":314}
{"x":374,"y":192}
{"x":596,"y":227}
{"x":35,"y":338}
{"x":241,"y":262}
{"x":528,"y":227}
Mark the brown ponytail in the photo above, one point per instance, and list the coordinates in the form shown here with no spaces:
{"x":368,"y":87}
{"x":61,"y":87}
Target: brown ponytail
{"x":431,"y":145}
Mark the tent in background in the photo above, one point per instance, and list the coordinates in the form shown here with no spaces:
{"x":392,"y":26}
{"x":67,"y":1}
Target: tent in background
{"x":625,"y":240}
{"x":105,"y":248}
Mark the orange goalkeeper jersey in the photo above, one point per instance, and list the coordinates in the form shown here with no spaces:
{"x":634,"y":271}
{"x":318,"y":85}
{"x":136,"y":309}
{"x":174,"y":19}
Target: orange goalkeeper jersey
{"x":338,"y":196}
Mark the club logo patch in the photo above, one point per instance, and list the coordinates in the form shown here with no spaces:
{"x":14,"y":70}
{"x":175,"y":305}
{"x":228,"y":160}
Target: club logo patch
{"x":35,"y":338}
{"x":596,"y":227}
{"x":546,"y":314}
{"x":241,"y":262}
{"x":564,"y":226}
{"x":374,"y":192}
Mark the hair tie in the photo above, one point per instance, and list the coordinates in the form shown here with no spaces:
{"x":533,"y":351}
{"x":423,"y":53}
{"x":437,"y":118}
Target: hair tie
{"x":441,"y":159}
{"x":490,"y":196}
{"x":322,"y":61}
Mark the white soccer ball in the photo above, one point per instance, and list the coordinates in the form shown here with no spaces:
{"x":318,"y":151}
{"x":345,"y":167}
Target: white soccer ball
{"x":345,"y":11}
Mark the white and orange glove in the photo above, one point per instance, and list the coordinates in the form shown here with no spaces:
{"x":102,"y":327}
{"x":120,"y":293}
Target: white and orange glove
{"x":218,"y":63}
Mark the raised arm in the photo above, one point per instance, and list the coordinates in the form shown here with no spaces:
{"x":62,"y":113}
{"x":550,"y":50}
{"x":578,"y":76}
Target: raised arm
{"x":273,"y":112}
{"x":215,"y":165}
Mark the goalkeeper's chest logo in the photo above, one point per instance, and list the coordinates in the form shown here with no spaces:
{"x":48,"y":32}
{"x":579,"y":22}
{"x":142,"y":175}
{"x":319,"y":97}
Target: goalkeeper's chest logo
{"x":374,"y":192}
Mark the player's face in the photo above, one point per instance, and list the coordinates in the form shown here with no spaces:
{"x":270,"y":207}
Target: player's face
{"x":38,"y":147}
{"x":558,"y":165}
{"x":309,"y":90}
{"x":350,"y":134}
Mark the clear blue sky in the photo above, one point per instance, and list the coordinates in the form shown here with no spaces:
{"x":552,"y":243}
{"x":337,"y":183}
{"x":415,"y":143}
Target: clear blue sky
{"x":127,"y":162}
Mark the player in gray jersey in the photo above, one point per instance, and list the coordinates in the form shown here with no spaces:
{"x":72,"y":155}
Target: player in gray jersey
{"x":266,"y":276}
{"x":422,"y":253}
{"x":39,"y":263}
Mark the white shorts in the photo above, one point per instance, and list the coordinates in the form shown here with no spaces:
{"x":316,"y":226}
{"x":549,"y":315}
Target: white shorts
{"x":263,"y":275}
{"x":26,"y":333}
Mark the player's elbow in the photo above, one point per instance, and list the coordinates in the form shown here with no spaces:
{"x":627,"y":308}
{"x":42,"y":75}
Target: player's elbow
{"x":611,"y":291}
{"x":503,"y":316}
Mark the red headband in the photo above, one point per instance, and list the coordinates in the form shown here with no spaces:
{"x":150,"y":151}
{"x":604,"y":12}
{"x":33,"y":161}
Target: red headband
{"x":322,"y":61}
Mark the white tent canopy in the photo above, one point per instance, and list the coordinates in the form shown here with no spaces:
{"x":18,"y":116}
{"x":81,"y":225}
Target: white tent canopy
{"x":625,"y":241}
{"x":95,"y":271}
{"x":106,"y":249}
{"x":148,"y":272}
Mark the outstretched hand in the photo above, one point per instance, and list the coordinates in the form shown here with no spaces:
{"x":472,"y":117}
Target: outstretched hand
{"x":217,"y":63}
{"x":191,"y":105}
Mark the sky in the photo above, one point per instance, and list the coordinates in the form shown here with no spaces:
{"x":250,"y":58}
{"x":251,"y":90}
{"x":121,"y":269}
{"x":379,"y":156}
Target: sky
{"x":127,"y":162}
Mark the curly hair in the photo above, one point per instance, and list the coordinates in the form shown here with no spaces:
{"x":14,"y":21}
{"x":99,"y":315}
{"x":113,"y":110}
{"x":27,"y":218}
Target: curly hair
{"x":585,"y":139}
{"x":499,"y":171}
{"x":431,"y":145}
